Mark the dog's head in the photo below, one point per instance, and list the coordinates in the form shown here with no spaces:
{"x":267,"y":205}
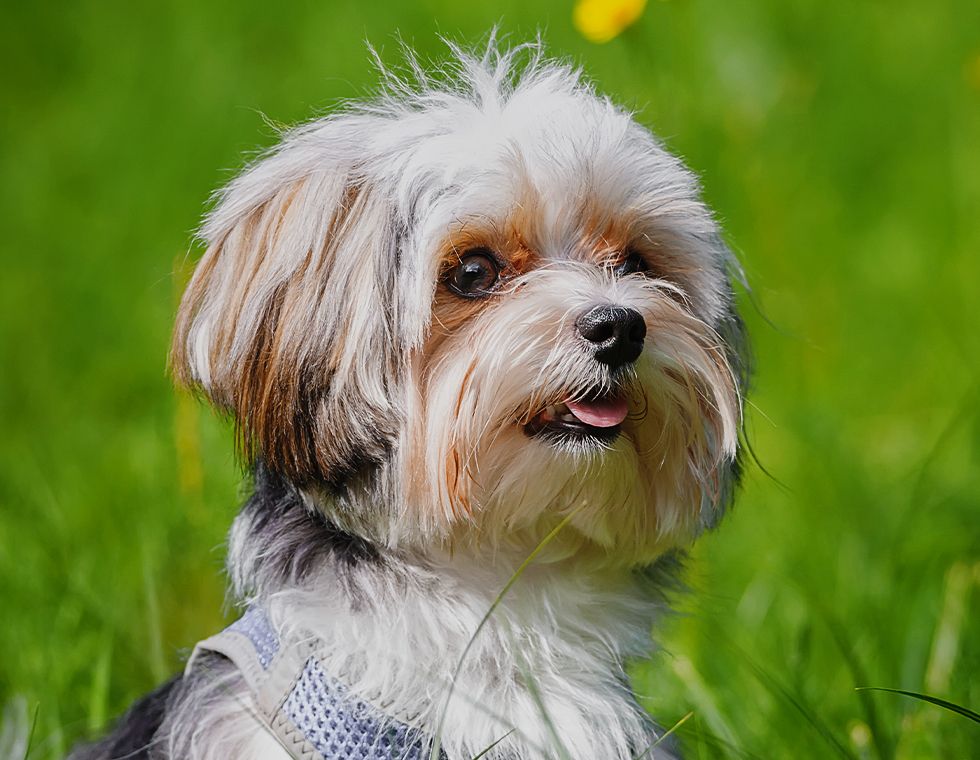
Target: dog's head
{"x":473,"y":309}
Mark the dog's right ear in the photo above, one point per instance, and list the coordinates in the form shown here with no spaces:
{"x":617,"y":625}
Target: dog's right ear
{"x":288,"y":322}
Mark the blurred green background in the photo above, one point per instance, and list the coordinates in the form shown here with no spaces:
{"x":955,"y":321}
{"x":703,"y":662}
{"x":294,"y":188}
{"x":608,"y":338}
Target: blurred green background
{"x":839,"y":143}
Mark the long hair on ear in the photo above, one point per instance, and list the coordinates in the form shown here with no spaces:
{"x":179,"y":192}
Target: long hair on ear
{"x":291,"y":306}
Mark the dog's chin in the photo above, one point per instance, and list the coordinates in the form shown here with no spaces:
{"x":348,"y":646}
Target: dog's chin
{"x":579,"y":459}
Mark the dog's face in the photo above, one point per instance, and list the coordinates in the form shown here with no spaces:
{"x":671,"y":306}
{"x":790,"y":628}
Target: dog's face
{"x":474,"y":311}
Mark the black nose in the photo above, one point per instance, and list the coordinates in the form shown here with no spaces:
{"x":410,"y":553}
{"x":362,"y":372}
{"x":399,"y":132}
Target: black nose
{"x":616,"y":332}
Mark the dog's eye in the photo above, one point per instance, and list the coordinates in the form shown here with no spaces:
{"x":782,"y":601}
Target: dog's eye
{"x":475,"y":275}
{"x":634,"y":263}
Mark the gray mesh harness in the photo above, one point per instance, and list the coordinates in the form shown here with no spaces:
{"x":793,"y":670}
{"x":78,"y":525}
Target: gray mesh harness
{"x":313,"y":714}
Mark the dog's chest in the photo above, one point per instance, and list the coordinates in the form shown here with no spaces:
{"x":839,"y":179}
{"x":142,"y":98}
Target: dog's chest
{"x":387,"y":680}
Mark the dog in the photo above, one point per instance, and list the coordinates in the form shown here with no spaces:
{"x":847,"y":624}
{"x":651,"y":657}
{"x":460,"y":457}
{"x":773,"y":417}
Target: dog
{"x":480,"y":343}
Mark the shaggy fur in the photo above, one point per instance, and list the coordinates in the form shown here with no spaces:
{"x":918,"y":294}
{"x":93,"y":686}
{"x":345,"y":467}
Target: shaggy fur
{"x":392,"y":420}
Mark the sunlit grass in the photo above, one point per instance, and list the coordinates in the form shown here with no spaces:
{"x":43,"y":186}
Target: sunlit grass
{"x":839,"y":144}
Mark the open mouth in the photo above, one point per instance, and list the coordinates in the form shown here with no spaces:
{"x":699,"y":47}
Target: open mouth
{"x":598,"y":418}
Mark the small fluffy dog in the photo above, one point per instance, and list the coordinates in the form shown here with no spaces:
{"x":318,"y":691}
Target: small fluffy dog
{"x":479,"y":339}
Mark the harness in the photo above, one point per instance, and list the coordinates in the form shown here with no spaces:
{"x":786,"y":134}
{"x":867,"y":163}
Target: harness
{"x":313,"y":714}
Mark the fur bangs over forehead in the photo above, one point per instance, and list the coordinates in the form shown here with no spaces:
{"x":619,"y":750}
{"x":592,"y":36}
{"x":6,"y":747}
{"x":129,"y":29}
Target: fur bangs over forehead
{"x":318,"y":316}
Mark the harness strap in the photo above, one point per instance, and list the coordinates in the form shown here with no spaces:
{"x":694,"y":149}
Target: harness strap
{"x":313,"y":715}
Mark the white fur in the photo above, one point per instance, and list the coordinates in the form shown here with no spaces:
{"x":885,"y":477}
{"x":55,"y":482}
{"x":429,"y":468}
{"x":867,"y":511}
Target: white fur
{"x":547,"y":668}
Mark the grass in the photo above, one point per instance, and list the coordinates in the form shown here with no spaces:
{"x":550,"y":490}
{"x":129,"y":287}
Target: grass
{"x":840,"y":144}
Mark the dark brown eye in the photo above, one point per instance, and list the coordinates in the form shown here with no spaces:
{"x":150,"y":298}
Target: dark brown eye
{"x":475,"y":275}
{"x":634,"y":263}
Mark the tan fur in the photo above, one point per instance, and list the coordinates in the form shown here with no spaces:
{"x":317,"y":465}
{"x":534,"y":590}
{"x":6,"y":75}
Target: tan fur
{"x":267,"y":364}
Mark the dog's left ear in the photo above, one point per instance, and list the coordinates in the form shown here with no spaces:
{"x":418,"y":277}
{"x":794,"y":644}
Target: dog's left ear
{"x":289,"y":320}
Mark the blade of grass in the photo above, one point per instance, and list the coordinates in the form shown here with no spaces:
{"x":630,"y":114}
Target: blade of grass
{"x":716,"y":747}
{"x":99,"y":690}
{"x":32,"y":731}
{"x":703,"y":700}
{"x":532,"y":687}
{"x":437,"y":739}
{"x":703,"y":741}
{"x":158,"y":663}
{"x":882,"y":740}
{"x":949,"y":627}
{"x":667,"y":733}
{"x":484,"y":751}
{"x":951,"y":706}
{"x":781,"y":691}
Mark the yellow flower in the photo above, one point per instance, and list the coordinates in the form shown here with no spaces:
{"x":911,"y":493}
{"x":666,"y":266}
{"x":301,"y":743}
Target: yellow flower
{"x":601,"y":20}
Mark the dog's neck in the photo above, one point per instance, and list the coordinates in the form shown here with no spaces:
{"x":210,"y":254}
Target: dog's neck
{"x":409,"y":629}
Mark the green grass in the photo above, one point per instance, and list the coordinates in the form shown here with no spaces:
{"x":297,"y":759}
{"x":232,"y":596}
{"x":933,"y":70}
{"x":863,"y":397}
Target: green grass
{"x":840,"y":144}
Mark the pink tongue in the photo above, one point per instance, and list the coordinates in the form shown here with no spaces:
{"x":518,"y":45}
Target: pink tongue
{"x":604,"y":413}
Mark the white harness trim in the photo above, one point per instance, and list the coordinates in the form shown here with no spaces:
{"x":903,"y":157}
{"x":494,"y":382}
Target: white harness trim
{"x":313,"y":714}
